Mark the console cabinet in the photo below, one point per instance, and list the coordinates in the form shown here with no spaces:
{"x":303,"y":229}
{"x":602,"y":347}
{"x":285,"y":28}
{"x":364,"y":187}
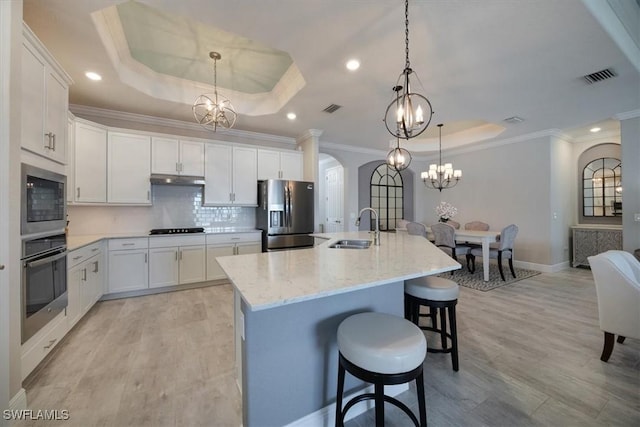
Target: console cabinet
{"x":592,"y":240}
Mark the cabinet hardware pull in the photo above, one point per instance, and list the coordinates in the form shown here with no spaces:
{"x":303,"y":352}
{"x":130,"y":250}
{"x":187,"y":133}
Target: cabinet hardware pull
{"x":176,"y":255}
{"x":128,"y":244}
{"x":84,"y":275}
{"x":1,"y":266}
{"x":148,"y":195}
{"x":95,"y":249}
{"x":78,"y":196}
{"x":53,"y":137}
{"x":180,"y":255}
{"x":145,"y":258}
{"x":235,"y":238}
{"x":51,"y":343}
{"x":75,"y":258}
{"x":95,"y":269}
{"x":177,"y":167}
{"x":48,"y":145}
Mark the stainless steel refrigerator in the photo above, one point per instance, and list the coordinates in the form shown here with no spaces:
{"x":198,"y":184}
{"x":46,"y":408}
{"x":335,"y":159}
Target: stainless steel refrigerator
{"x":285,"y":214}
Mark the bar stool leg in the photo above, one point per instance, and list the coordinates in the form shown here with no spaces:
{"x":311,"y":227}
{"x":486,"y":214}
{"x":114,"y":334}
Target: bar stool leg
{"x":422,"y":407}
{"x":443,"y":327}
{"x":454,"y":337}
{"x":341,"y":374}
{"x":379,"y":402}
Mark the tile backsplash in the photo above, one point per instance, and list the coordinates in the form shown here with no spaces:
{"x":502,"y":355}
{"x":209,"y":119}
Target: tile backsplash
{"x":173,"y":206}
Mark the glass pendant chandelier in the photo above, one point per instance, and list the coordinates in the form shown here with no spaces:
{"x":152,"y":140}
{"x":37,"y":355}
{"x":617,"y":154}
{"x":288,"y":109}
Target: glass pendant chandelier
{"x":409,"y":113}
{"x":441,"y":176}
{"x":214,"y":110}
{"x":398,"y":158}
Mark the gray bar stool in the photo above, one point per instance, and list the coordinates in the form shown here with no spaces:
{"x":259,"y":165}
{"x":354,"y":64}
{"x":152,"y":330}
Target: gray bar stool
{"x":441,"y":296}
{"x":381,"y":349}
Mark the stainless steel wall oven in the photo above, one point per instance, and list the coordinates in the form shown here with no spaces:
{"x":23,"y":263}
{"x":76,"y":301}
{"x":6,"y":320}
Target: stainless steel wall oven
{"x":44,"y":281}
{"x":43,"y":201}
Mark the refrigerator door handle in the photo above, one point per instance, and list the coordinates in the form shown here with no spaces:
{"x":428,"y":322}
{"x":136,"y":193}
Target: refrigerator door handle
{"x":286,"y":206}
{"x":289,"y":206}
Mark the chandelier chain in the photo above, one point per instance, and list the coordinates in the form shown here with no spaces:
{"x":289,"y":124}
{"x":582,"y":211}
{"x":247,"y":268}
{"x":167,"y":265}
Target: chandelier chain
{"x":406,"y":34}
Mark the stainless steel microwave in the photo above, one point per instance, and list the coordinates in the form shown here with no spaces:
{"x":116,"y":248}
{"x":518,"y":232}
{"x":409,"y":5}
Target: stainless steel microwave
{"x":43,"y":200}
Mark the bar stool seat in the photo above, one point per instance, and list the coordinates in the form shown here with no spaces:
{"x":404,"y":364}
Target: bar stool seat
{"x":381,"y":349}
{"x":441,"y":296}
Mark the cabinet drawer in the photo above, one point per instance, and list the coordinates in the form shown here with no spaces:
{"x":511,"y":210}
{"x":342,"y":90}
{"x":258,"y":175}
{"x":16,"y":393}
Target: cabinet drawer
{"x":80,"y":255}
{"x":169,"y":241}
{"x":232,"y":238}
{"x":41,"y":344}
{"x":121,"y":244}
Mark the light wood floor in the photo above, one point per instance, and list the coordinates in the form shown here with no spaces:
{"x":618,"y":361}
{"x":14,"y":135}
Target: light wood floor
{"x":529,"y":355}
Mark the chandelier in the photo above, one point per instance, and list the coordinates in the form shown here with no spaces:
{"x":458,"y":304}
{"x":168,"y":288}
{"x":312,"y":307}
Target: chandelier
{"x":214,"y":110}
{"x":409,"y":113}
{"x":441,"y":176}
{"x":398,"y":158}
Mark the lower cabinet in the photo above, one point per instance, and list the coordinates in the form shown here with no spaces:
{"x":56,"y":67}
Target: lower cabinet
{"x":229,"y":244}
{"x":176,"y":260}
{"x":592,"y":240}
{"x":128,"y":264}
{"x":85,"y":280}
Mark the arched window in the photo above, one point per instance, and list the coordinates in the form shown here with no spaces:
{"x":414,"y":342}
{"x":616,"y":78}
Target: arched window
{"x":602,"y":187}
{"x":387,"y":196}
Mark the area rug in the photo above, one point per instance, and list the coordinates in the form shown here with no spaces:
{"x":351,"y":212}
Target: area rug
{"x":475,"y":280}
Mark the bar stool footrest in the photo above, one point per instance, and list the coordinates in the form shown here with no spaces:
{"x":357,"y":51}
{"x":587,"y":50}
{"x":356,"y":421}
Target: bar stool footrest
{"x":371,"y":396}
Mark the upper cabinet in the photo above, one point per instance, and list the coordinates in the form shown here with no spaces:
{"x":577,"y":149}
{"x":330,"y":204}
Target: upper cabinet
{"x":129,"y":168}
{"x":177,"y":157}
{"x":279,"y":165}
{"x":230,"y":175}
{"x":45,"y":101}
{"x":89,"y":163}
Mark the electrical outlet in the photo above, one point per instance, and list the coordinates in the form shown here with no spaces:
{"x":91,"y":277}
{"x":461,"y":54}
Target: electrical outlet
{"x":636,"y":217}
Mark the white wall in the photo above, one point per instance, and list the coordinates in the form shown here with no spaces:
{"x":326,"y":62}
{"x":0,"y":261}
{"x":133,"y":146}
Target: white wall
{"x":630,"y":135}
{"x":563,"y":200}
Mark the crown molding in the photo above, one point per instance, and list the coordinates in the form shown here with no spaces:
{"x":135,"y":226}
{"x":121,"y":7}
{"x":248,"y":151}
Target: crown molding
{"x":627,"y":115}
{"x":175,"y":124}
{"x":351,"y":149}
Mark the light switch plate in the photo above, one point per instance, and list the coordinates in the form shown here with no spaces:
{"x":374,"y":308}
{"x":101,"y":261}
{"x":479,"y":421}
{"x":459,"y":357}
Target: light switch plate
{"x":636,"y":217}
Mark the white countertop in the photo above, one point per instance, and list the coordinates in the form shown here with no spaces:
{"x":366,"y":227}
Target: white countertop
{"x":76,"y":242}
{"x":273,"y":279}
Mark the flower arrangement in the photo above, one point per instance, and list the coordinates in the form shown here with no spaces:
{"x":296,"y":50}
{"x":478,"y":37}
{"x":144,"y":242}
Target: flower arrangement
{"x":446,"y":211}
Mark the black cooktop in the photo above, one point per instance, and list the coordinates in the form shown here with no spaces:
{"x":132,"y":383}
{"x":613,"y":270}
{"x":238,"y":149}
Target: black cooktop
{"x":177,"y":230}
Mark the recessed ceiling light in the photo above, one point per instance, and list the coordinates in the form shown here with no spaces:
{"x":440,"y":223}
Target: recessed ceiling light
{"x":291,"y":116}
{"x":93,"y":76}
{"x":353,"y":64}
{"x":596,"y":129}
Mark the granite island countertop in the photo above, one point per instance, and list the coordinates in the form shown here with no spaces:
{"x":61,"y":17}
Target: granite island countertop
{"x":273,"y":279}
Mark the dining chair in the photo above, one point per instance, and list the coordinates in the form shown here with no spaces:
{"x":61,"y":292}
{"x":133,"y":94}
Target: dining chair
{"x":476,"y":225}
{"x":503,"y":250}
{"x":445,"y":238}
{"x":617,"y":278}
{"x":416,"y":229}
{"x":454,"y":224}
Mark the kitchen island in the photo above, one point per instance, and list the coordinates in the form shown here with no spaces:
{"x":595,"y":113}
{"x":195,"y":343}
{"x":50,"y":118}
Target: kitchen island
{"x":288,"y":308}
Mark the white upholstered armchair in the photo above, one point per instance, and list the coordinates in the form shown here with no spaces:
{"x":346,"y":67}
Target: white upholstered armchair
{"x":617,"y":278}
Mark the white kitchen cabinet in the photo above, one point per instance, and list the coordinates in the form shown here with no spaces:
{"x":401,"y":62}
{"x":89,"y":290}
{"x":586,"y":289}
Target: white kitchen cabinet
{"x":172,"y":156}
{"x":45,"y":100}
{"x":176,"y":260}
{"x":129,"y":168}
{"x":89,"y":163}
{"x":279,"y":165}
{"x":229,"y":244}
{"x":128,"y":264}
{"x":71,"y":183}
{"x":85,"y":282}
{"x":230,"y":175}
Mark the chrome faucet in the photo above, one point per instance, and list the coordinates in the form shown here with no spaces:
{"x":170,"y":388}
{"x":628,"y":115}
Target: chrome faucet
{"x":376,"y":234}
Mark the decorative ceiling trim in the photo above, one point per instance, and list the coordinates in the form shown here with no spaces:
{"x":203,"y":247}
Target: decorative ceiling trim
{"x":170,"y":88}
{"x":80,"y":110}
{"x":627,"y":115}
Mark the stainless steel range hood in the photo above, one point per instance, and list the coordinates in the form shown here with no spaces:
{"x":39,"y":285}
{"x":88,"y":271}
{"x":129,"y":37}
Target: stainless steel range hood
{"x":160,"y":179}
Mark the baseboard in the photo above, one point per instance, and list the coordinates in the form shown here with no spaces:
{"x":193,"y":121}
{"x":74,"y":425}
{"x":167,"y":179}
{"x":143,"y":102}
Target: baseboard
{"x":19,"y":401}
{"x":326,"y":416}
{"x":543,"y":268}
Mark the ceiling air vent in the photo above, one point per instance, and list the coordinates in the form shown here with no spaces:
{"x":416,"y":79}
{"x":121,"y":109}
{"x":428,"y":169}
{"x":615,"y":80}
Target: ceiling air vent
{"x":332,"y":108}
{"x":599,"y":76}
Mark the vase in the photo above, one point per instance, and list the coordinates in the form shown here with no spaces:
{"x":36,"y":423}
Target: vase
{"x":444,"y":219}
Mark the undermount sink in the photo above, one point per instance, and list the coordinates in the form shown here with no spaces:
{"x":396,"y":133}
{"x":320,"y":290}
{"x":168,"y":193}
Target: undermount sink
{"x":351,"y":244}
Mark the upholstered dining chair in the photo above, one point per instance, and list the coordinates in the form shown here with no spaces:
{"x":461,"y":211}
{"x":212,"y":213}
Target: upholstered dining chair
{"x":617,"y":278}
{"x":503,"y":250}
{"x":444,"y":238}
{"x":416,"y":229}
{"x":477,"y":225}
{"x":454,"y":224}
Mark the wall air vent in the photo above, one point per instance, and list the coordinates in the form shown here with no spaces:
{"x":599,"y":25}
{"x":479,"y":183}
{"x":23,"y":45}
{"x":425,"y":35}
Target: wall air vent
{"x":332,"y":108}
{"x":599,"y":76}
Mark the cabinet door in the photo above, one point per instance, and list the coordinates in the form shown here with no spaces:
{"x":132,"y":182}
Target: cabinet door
{"x":96,"y":284}
{"x":291,"y":166}
{"x":245,"y":176}
{"x":248,"y":248}
{"x":609,"y":240}
{"x":214,"y":271}
{"x":74,"y":305}
{"x":164,"y":155}
{"x":218,"y":166}
{"x":129,"y":168}
{"x":33,"y":101}
{"x":268,"y":164}
{"x":191,"y":158}
{"x":90,"y":157}
{"x":128,"y":270}
{"x":71,"y":183}
{"x":56,"y":117}
{"x":192,"y":264}
{"x":163,"y":267}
